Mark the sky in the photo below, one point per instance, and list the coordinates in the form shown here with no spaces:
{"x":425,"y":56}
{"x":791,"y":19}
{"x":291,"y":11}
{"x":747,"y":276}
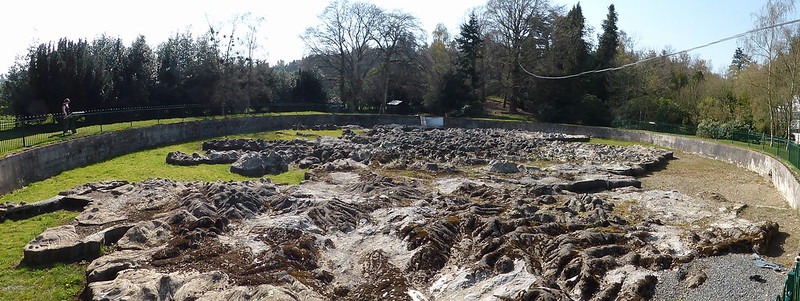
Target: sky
{"x":653,"y":24}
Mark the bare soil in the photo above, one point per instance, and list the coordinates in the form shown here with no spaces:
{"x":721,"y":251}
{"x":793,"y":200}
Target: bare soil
{"x":724,"y":184}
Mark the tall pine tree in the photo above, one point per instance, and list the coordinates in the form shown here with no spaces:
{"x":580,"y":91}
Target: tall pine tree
{"x":605,"y":57}
{"x":609,"y":40}
{"x":606,"y":54}
{"x":739,"y":62}
{"x":569,"y":55}
{"x":469,"y":46}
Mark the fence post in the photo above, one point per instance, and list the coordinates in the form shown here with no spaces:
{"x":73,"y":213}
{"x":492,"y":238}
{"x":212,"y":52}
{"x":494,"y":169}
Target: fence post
{"x":786,"y":148}
{"x":22,"y":129}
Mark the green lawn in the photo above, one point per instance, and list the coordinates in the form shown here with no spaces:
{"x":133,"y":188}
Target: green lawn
{"x":55,"y":282}
{"x":11,"y":139}
{"x":64,"y":281}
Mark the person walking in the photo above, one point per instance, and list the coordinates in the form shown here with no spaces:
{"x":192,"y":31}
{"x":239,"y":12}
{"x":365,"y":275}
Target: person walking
{"x":69,"y":119}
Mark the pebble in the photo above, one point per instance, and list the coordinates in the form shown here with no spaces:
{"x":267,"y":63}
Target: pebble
{"x":730,"y":277}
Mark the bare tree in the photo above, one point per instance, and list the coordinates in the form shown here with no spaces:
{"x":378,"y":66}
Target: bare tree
{"x":327,"y":40}
{"x":790,"y":74}
{"x":343,"y":41}
{"x":236,"y":42}
{"x":512,"y":23}
{"x":397,"y":30}
{"x":440,"y":34}
{"x":441,"y":52}
{"x":765,"y":46}
{"x":251,"y":37}
{"x":439,"y":58}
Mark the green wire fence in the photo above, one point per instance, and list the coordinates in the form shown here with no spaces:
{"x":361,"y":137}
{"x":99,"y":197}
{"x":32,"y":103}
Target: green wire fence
{"x":780,"y":147}
{"x":791,"y":289}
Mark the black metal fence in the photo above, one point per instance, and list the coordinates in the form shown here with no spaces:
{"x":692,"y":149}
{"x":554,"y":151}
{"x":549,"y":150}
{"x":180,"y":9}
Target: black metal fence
{"x":26,"y":131}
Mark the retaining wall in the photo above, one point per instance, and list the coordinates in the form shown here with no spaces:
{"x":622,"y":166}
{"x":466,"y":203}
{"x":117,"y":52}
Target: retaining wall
{"x":39,"y":163}
{"x":781,"y":175}
{"x":36,"y":164}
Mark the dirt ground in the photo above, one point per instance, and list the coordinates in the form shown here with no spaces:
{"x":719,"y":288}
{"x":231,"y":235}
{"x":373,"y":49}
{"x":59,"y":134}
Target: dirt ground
{"x":726,"y":183}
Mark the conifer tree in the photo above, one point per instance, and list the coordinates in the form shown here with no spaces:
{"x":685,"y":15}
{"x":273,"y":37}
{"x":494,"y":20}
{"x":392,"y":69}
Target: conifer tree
{"x":609,"y":40}
{"x":469,"y":46}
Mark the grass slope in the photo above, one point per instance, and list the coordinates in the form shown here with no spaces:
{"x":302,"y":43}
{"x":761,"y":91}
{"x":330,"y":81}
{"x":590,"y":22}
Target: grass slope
{"x":11,"y":138}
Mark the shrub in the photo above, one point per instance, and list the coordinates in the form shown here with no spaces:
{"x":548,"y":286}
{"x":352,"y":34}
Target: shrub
{"x":730,"y":130}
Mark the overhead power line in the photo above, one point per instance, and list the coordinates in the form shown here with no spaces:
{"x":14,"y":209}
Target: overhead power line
{"x":736,"y":36}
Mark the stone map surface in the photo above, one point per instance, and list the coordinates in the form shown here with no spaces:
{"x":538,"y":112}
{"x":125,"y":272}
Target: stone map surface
{"x":398,"y":213}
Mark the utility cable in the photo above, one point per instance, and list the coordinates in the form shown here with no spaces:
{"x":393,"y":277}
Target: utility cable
{"x":736,"y":36}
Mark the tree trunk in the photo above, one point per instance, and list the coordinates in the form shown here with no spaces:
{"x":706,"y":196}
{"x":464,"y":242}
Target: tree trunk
{"x":790,"y":113}
{"x":385,"y":91}
{"x":515,"y":84}
{"x":769,"y":104}
{"x":342,"y":93}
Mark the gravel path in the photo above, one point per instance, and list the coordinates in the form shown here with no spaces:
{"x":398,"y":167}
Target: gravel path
{"x":730,"y":277}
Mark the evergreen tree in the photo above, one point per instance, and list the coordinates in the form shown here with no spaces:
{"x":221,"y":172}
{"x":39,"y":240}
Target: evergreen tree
{"x":609,"y":40}
{"x":469,"y":46}
{"x":739,"y":62}
{"x":308,"y":88}
{"x":139,"y":74}
{"x":281,"y":82}
{"x":570,"y":50}
{"x":16,"y":89}
{"x":569,"y":55}
{"x":106,"y":58}
{"x":605,"y":57}
{"x":454,"y":95}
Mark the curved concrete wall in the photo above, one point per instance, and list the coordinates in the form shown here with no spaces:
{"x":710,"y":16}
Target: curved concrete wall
{"x":781,"y":175}
{"x":36,"y":164}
